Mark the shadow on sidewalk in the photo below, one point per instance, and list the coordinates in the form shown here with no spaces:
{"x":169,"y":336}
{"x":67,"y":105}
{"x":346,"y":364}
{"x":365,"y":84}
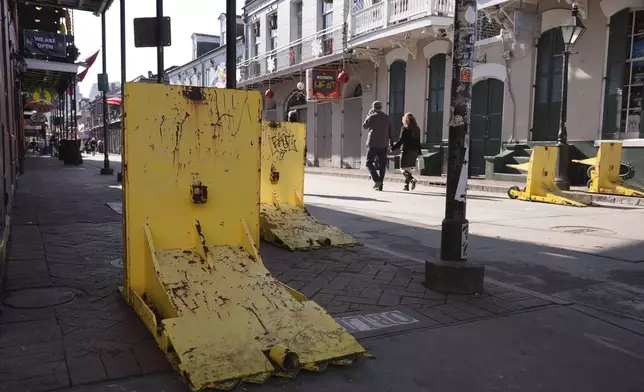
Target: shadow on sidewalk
{"x":536,"y":267}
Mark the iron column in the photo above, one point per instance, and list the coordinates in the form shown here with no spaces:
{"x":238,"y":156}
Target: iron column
{"x":159,"y":41}
{"x":119,"y":176}
{"x":452,"y":274}
{"x":455,"y":226}
{"x":561,"y":179}
{"x":231,"y":44}
{"x":106,"y":162}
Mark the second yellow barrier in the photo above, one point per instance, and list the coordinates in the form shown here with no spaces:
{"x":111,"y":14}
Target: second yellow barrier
{"x":284,"y":219}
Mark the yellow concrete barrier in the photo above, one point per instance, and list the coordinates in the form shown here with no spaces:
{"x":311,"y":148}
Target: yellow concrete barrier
{"x":604,"y":172}
{"x":540,"y":185}
{"x":193,"y":272}
{"x":283,"y":218}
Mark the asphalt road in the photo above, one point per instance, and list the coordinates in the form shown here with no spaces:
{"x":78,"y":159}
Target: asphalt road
{"x":593,"y":256}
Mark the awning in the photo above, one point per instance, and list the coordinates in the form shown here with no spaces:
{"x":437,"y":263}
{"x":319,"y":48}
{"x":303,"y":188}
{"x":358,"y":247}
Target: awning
{"x":114,"y":101}
{"x":96,"y":7}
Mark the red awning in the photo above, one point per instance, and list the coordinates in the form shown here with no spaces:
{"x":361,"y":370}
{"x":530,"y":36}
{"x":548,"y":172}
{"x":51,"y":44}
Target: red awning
{"x":114,"y":101}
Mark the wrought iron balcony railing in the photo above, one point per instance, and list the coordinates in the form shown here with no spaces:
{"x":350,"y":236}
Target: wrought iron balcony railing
{"x":372,"y":15}
{"x":323,"y":43}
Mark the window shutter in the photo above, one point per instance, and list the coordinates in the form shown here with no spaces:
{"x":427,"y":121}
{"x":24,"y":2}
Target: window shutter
{"x":617,"y":52}
{"x":547,"y":94}
{"x":397,"y":76}
{"x":436,"y":99}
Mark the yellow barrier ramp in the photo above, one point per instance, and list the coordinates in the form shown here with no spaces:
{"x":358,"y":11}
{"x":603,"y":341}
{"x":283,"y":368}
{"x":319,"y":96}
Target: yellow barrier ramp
{"x":604,"y":172}
{"x":284,"y":219}
{"x":193,"y":272}
{"x":540,"y":185}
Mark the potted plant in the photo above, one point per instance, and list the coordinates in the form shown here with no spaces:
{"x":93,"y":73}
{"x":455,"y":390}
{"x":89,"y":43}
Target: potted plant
{"x":328,"y":1}
{"x":256,"y":28}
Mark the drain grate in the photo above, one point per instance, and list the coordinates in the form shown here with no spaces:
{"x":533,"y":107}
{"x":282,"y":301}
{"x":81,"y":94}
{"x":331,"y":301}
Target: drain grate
{"x":582,"y":230}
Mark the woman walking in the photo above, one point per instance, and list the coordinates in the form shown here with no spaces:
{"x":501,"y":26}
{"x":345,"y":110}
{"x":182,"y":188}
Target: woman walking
{"x":410,"y":143}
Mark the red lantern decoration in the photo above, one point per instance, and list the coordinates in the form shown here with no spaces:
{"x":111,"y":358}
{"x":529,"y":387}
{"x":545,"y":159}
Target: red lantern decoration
{"x":269,"y":94}
{"x":343,"y":77}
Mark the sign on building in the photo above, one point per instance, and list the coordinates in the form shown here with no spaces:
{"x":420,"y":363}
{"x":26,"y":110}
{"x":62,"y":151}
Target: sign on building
{"x":45,"y":44}
{"x":322,"y":84}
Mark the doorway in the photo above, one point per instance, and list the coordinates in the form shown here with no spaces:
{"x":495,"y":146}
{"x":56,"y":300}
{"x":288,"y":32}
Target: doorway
{"x":352,"y":133}
{"x":323,"y":126}
{"x":487,"y":123}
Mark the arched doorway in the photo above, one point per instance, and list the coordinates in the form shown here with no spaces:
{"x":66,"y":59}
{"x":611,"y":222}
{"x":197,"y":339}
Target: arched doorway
{"x":296,"y":101}
{"x":397,"y":77}
{"x":487,"y":123}
{"x":547,"y":87}
{"x":352,"y":132}
{"x":436,"y":99}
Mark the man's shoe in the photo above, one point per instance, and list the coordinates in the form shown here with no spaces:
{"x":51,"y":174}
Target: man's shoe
{"x":406,"y":188}
{"x":413,"y":184}
{"x":376,"y":185}
{"x":380,"y":187}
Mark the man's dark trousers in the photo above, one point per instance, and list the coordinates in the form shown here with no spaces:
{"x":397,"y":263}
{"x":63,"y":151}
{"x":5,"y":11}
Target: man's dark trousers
{"x":379,"y":155}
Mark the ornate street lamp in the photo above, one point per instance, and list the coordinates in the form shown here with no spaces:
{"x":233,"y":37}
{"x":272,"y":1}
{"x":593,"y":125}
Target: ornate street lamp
{"x":571,"y":33}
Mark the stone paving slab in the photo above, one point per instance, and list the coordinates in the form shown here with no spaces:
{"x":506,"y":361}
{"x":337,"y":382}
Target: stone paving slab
{"x":65,"y":236}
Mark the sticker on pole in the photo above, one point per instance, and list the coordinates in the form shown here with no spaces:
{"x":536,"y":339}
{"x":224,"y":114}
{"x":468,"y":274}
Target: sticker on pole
{"x":465,"y":236}
{"x":466,"y":74}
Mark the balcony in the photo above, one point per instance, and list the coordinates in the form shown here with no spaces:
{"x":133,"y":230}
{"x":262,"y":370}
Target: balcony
{"x":318,"y":48}
{"x":382,"y":14}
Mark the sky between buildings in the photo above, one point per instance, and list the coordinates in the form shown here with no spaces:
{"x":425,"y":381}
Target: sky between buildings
{"x":187,"y":17}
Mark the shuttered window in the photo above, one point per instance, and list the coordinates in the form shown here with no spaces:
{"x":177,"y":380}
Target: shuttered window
{"x":618,"y":44}
{"x":547,"y":94}
{"x":397,"y":75}
{"x":435,"y":99}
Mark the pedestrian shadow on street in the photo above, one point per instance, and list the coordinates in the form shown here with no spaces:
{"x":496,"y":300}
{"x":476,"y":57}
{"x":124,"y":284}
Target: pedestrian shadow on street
{"x":442,"y":194}
{"x":339,"y":197}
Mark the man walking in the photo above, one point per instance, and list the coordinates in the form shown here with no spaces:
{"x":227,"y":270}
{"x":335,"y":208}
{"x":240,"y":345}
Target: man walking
{"x":378,"y":141}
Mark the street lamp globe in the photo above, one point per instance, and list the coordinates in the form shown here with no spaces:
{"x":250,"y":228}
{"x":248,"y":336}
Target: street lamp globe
{"x":573,"y":29}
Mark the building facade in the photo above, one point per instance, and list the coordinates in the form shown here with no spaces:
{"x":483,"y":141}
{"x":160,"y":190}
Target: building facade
{"x":208,"y":67}
{"x":399,"y":52}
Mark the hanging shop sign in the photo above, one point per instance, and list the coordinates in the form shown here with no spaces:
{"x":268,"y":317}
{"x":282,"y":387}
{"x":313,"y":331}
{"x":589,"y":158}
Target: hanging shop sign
{"x":41,"y":99}
{"x":322,"y":84}
{"x":45,"y":44}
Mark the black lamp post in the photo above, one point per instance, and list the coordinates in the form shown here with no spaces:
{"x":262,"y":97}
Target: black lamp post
{"x":571,"y":33}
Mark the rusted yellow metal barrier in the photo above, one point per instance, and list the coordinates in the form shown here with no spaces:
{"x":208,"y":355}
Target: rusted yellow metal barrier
{"x":193,"y":272}
{"x":604,"y":172}
{"x":284,"y":219}
{"x":540,"y":185}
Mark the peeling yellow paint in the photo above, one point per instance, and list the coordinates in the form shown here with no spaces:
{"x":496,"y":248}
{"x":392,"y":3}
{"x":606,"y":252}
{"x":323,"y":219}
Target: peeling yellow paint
{"x":193,"y":272}
{"x":284,"y":219}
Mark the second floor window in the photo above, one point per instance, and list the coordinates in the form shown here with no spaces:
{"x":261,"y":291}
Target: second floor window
{"x":327,"y":15}
{"x":272,"y":33}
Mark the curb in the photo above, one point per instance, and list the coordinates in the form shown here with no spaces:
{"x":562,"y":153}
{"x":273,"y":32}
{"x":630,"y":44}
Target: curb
{"x":593,"y":198}
{"x":549,"y":298}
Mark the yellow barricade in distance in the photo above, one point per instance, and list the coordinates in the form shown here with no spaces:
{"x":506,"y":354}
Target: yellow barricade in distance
{"x":540,"y":184}
{"x":193,"y":271}
{"x":604,"y":172}
{"x":284,"y":219}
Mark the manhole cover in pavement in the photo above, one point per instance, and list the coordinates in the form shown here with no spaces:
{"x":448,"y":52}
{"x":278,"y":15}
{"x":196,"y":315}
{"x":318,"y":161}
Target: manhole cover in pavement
{"x":118,"y":263}
{"x":39,"y":298}
{"x":582,"y":230}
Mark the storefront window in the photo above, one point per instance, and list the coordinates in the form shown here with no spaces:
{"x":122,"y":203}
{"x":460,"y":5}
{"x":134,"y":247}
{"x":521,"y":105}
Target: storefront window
{"x":633,"y":75}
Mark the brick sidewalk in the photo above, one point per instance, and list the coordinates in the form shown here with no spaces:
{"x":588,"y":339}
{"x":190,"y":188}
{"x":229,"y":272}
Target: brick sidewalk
{"x":67,"y":243}
{"x":364,"y":279}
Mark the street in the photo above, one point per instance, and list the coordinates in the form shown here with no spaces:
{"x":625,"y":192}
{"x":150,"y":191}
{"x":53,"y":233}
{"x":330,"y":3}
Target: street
{"x":593,"y":256}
